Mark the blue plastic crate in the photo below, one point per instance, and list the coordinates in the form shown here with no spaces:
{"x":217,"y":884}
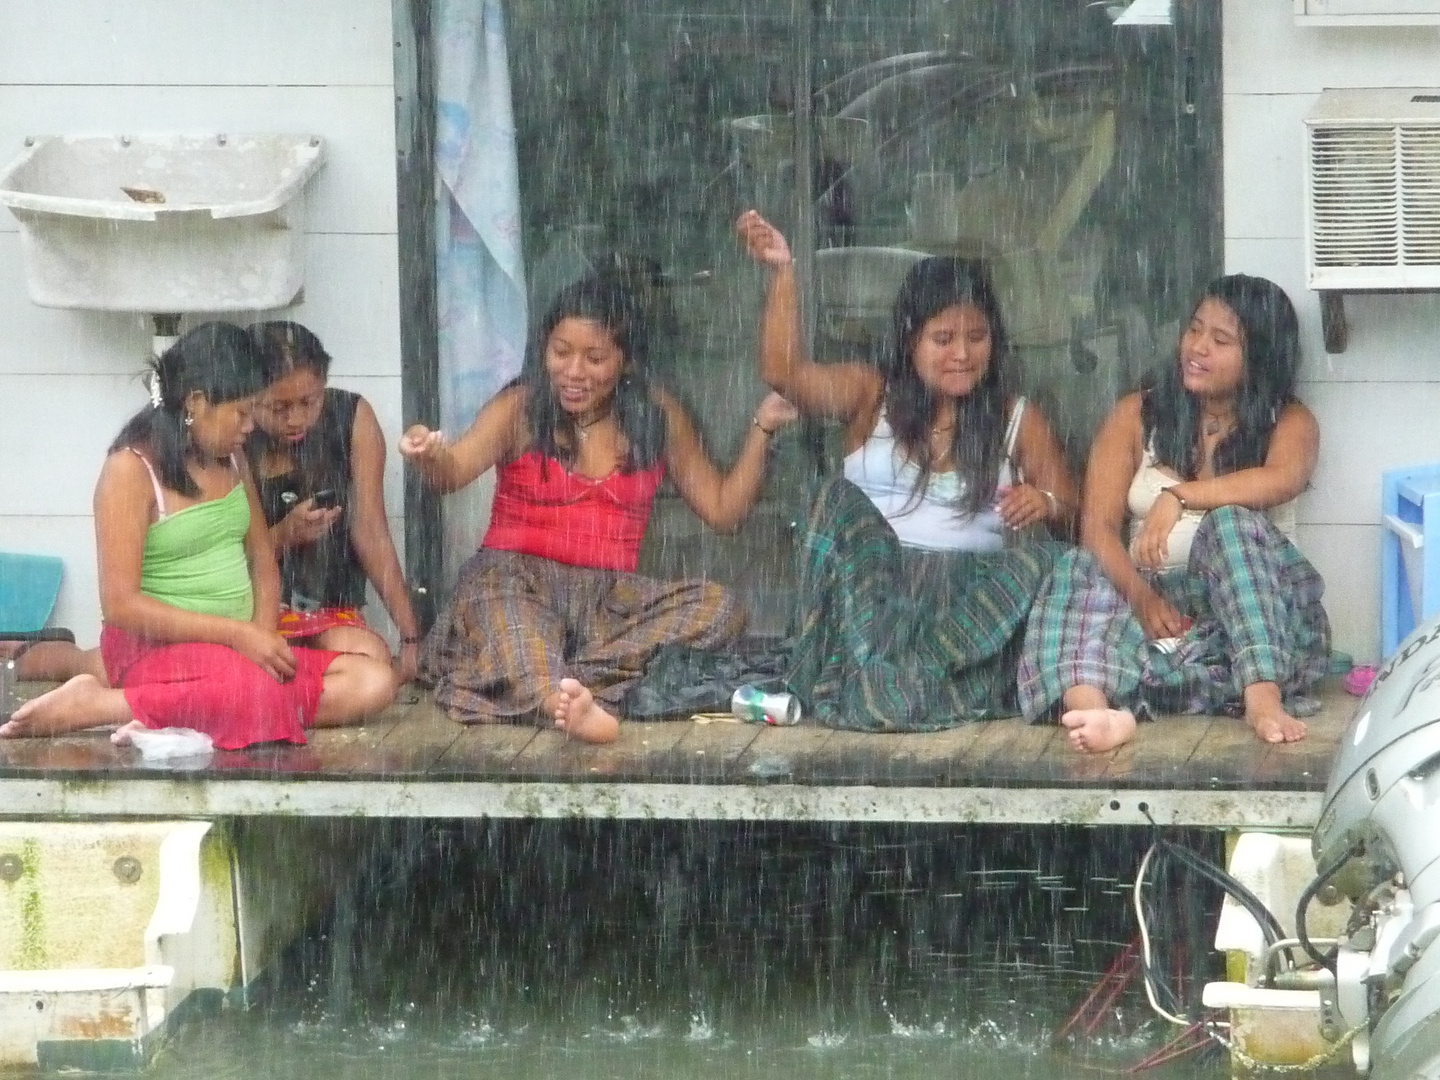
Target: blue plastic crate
{"x":28,"y":587}
{"x":1409,"y":551}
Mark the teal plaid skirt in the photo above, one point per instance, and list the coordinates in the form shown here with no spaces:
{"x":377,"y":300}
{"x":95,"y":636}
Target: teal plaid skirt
{"x":1256,"y":602}
{"x":894,"y":639}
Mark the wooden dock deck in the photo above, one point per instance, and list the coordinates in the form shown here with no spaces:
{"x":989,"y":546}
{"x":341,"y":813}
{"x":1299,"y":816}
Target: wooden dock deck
{"x":414,"y":762}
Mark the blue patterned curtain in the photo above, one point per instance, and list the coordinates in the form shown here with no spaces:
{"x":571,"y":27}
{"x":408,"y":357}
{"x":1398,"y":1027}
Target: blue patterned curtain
{"x":480,"y":266}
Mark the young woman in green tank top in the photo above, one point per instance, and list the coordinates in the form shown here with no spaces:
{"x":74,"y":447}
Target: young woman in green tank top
{"x":189,"y":587}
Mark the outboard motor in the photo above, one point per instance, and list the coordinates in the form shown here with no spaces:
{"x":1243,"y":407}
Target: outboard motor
{"x":1378,"y":842}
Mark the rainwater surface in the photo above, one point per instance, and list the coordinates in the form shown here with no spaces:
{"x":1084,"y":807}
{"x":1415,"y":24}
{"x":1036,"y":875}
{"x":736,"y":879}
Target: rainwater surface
{"x":538,"y":950}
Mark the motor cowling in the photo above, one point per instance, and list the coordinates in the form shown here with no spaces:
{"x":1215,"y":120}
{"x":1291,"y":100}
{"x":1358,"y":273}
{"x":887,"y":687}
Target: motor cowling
{"x":1378,"y":841}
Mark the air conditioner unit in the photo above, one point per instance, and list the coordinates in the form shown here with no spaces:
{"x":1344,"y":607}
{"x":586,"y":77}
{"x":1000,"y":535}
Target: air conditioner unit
{"x":1367,"y":12}
{"x":1372,"y":196}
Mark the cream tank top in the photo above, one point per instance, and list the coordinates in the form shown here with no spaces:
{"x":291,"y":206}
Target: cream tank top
{"x":879,"y":468}
{"x":1150,"y":480}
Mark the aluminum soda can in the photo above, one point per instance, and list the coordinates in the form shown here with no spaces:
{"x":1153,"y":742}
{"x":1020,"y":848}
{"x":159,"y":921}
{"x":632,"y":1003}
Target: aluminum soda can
{"x":756,"y":706}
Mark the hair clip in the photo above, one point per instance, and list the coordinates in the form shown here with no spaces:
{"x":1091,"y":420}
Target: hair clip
{"x":157,"y":399}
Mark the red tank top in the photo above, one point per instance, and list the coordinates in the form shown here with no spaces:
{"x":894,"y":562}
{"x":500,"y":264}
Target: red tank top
{"x":560,"y":515}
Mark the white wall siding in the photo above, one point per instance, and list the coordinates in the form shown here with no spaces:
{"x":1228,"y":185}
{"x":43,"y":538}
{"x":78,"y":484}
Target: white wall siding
{"x":1379,"y":401}
{"x":67,"y":378}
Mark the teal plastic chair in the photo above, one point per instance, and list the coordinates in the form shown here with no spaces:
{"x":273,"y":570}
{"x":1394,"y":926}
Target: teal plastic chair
{"x":1409,"y":552}
{"x":29,"y":585}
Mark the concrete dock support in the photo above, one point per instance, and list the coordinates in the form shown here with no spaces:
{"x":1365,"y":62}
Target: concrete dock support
{"x":111,"y":931}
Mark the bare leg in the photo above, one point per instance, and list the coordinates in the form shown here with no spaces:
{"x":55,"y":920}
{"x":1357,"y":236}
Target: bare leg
{"x":354,"y":687}
{"x":1094,"y":726}
{"x":353,"y":639}
{"x":578,"y":714}
{"x":56,"y":661}
{"x":1265,"y":712}
{"x":82,"y":702}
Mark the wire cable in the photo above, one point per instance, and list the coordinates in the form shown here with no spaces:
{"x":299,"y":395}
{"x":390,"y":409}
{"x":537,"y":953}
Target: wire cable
{"x":1147,"y":977}
{"x":1326,"y":959}
{"x":1155,"y":989}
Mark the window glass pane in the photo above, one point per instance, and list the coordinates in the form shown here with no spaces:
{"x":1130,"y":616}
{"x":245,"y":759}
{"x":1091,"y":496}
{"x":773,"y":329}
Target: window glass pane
{"x":1066,"y":149}
{"x":627,"y":114}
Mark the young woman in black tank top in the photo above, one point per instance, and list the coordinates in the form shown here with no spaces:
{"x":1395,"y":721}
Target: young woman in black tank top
{"x":319,"y":456}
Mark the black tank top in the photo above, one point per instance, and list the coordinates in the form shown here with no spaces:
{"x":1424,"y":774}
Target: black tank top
{"x":326,"y":573}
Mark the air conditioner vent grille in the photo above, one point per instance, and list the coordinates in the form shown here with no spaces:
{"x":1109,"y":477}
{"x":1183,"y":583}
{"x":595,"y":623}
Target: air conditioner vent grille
{"x":1420,"y":205}
{"x":1355,"y":197}
{"x":1372,"y":190}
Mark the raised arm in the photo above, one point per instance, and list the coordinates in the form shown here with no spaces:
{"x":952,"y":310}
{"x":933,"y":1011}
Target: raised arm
{"x":496,"y":434}
{"x":1114,"y":458}
{"x":124,"y":505}
{"x":721,"y":500}
{"x":840,"y":391}
{"x":370,"y":527}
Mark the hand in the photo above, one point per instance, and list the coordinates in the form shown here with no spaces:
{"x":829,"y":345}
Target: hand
{"x":765,"y":243}
{"x":407,"y":662}
{"x":304,"y":524}
{"x":267,"y":649}
{"x":775,"y":412}
{"x":1150,"y":545}
{"x":1022,"y":505}
{"x":419,"y":444}
{"x":1161,"y":619}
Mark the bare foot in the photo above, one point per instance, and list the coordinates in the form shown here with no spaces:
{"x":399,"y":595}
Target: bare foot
{"x":121,"y":735}
{"x":1093,"y":731}
{"x":80,"y":703}
{"x":1265,"y":713}
{"x":1275,"y":725}
{"x":578,"y":715}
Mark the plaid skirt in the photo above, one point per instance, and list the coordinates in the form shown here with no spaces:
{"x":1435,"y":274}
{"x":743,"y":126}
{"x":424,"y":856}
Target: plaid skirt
{"x":1256,"y":602}
{"x":895,"y":639}
{"x":518,"y":624}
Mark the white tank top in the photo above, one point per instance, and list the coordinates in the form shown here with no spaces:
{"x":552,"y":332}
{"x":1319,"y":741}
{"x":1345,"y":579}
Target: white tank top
{"x":931,"y":522}
{"x":1150,"y":480}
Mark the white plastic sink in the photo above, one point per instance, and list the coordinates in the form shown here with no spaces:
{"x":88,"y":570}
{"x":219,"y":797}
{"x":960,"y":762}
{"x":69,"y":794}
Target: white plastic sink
{"x":163,"y":223}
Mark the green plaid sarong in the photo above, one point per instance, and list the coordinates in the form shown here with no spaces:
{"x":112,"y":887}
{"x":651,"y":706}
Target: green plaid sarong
{"x":894,"y":639}
{"x":1256,"y":602}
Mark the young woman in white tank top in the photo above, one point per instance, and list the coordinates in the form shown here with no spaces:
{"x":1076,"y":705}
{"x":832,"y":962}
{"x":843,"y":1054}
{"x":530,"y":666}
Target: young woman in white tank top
{"x":953,"y":465}
{"x":939,"y":409}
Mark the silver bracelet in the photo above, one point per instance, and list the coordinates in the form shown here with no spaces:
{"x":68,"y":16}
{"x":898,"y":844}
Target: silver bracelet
{"x":1053,"y":501}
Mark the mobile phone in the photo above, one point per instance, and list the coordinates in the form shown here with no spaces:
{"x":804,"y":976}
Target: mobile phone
{"x":326,"y":499}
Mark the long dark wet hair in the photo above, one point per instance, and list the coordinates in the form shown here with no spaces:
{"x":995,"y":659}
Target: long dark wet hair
{"x":217,"y":359}
{"x":1270,"y":344}
{"x":604,"y":299}
{"x":287,"y":346}
{"x":977,"y":443}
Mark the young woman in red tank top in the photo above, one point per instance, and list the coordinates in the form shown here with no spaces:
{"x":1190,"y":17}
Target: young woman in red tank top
{"x":549,"y":615}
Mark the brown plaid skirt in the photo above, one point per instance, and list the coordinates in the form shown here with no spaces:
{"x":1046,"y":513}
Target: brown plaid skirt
{"x":518,"y":624}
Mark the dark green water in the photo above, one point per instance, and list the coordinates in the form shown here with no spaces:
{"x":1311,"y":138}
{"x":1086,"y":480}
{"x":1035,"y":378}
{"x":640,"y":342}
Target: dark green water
{"x":598,"y":950}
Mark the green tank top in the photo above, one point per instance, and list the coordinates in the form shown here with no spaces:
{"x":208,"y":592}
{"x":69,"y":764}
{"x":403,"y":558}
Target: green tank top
{"x":195,"y":558}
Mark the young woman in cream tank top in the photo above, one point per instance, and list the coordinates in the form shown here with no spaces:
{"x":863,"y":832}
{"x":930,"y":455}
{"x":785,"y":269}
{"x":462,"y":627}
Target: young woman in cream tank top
{"x":1188,"y":595}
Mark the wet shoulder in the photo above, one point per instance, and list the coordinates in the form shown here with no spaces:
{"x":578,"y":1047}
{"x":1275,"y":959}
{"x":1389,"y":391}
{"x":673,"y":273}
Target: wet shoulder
{"x":1127,"y":413}
{"x":510,"y":407}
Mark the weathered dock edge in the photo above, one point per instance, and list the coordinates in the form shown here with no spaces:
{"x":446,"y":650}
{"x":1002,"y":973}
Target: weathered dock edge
{"x":413,"y":762}
{"x":179,"y":798}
